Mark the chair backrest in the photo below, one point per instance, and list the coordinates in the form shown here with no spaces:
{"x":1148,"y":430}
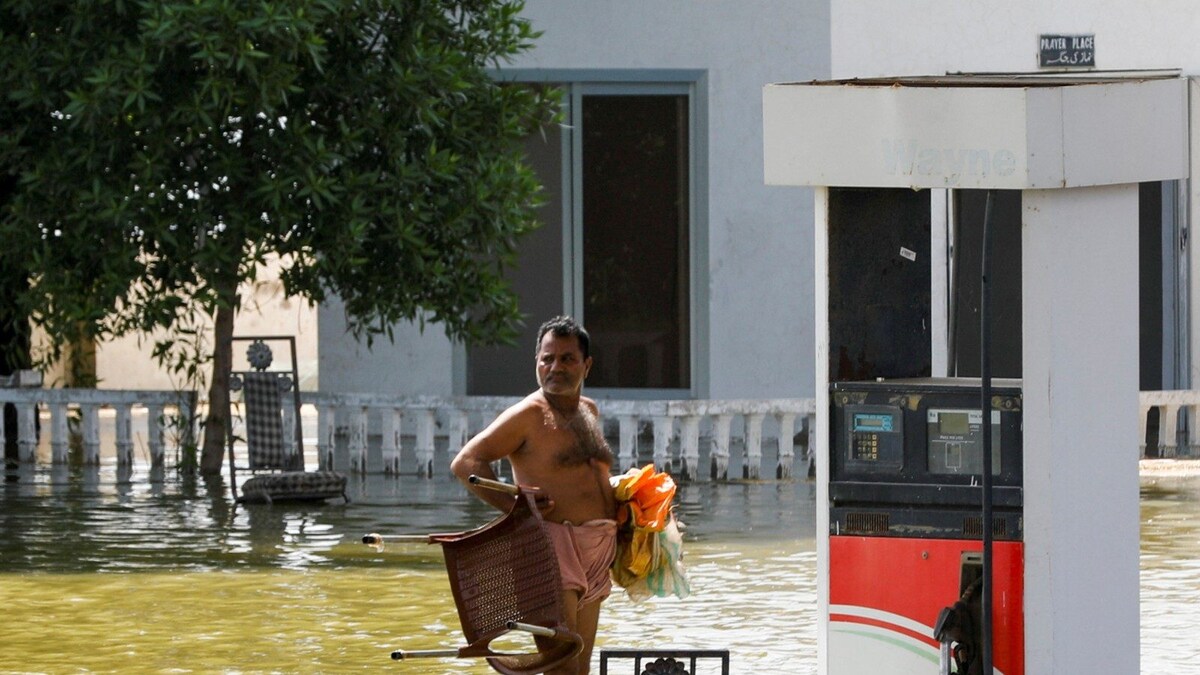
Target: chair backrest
{"x":261,"y":393}
{"x":505,"y":571}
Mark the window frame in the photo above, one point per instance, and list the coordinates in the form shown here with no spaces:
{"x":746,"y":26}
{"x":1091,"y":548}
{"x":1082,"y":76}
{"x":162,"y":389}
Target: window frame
{"x":575,"y":85}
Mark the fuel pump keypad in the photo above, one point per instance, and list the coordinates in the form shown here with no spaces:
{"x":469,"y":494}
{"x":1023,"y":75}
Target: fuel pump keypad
{"x":875,"y":437}
{"x":866,"y":447}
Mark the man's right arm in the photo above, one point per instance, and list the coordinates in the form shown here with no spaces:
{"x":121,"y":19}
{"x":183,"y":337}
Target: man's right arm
{"x":500,"y":439}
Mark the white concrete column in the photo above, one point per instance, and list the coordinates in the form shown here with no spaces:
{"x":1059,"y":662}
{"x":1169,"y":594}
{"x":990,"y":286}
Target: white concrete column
{"x":1168,"y":428}
{"x":426,"y":420}
{"x":821,"y":451}
{"x":939,"y":281}
{"x":457,"y":432}
{"x":91,"y":433}
{"x":689,"y":445}
{"x":326,"y":436}
{"x":155,"y":433}
{"x":1144,"y":420}
{"x":663,"y":427}
{"x":124,"y":434}
{"x":358,"y":440}
{"x":752,"y":462}
{"x":27,"y":414}
{"x":719,"y":458}
{"x":60,"y":433}
{"x":1192,"y":209}
{"x":392,"y":418}
{"x":1080,"y":281}
{"x":787,"y":454}
{"x":1192,"y":435}
{"x":628,"y":452}
{"x":291,"y":444}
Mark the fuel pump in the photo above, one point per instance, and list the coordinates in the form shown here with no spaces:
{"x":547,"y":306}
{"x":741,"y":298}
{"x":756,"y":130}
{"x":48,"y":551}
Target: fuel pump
{"x":906,"y":529}
{"x":900,"y":456}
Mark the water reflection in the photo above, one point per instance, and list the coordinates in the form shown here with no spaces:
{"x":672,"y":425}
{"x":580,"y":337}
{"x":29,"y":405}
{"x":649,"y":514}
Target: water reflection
{"x":108,"y":576}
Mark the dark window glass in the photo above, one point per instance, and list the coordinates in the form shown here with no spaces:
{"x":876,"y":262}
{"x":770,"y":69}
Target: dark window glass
{"x":635,"y":240}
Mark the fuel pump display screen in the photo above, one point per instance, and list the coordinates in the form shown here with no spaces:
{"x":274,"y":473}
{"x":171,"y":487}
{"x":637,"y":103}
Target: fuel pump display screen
{"x":875,"y":437}
{"x":956,"y":441}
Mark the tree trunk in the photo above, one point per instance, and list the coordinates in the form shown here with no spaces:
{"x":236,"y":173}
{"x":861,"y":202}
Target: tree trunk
{"x":216,"y":424}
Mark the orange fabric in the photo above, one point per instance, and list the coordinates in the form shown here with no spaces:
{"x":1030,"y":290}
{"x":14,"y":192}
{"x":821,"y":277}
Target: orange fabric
{"x":645,"y":497}
{"x":648,"y":495}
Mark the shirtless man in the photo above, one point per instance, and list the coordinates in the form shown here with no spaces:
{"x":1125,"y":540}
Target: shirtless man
{"x":553,"y":441}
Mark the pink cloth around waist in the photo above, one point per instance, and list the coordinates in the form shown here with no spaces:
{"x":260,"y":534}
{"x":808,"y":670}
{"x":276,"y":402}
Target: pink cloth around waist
{"x":585,"y":553}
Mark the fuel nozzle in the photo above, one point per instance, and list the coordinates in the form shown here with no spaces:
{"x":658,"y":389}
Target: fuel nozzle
{"x":957,"y":629}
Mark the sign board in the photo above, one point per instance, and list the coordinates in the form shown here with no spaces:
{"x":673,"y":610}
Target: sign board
{"x":1067,"y":51}
{"x":1007,"y":136}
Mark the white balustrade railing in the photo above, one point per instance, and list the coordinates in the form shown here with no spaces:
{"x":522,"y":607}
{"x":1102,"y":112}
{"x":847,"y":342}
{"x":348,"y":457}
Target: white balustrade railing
{"x":673,"y":423}
{"x":1169,"y":404}
{"x":164,"y":412}
{"x":681,"y":431}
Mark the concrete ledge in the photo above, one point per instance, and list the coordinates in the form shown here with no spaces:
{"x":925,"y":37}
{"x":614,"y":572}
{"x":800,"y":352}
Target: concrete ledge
{"x":1175,"y":468}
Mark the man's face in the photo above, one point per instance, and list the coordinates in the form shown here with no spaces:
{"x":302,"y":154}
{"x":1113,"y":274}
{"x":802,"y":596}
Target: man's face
{"x":561,"y":367}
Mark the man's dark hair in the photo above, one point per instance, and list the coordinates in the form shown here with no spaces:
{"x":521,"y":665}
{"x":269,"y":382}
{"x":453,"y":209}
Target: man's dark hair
{"x":564,"y":326}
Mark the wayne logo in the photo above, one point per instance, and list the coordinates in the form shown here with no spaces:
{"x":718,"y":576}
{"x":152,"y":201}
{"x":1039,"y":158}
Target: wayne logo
{"x":909,"y":158}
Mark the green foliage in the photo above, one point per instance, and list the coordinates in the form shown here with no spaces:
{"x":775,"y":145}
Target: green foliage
{"x":163,"y":148}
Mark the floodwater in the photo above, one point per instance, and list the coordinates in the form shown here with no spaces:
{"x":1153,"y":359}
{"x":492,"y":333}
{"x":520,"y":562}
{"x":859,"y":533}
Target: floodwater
{"x":169,"y":577}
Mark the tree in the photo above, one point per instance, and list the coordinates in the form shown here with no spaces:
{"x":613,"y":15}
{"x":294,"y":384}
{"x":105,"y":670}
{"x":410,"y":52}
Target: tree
{"x":163,"y":149}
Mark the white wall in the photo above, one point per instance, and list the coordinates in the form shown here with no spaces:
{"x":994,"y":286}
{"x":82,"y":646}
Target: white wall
{"x":759,"y":271}
{"x":415,"y":363}
{"x":933,"y":37}
{"x":126,"y":363}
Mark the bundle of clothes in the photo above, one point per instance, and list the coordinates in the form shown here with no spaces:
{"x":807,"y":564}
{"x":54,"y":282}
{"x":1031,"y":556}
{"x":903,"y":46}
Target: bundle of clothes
{"x":649,"y":559}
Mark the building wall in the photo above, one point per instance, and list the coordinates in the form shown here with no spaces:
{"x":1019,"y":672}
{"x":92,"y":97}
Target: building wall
{"x":759,"y":270}
{"x":933,"y":37}
{"x":126,"y":363}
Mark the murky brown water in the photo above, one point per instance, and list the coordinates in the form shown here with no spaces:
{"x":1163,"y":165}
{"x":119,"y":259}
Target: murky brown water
{"x":170,"y":579}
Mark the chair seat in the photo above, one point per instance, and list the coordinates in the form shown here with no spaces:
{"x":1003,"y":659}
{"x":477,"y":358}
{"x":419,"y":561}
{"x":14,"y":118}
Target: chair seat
{"x":294,"y":486}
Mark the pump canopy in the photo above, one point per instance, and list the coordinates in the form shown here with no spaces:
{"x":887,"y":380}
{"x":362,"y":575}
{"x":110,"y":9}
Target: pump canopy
{"x":1005,"y":132}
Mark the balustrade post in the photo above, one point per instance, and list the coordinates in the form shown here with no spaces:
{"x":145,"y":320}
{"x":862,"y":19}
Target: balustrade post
{"x":60,"y":433}
{"x":124,"y":434}
{"x":27,"y":431}
{"x":426,"y":420}
{"x":787,"y":429}
{"x":91,"y":433}
{"x":810,"y":452}
{"x":188,"y":406}
{"x":689,"y":445}
{"x":1144,"y":426}
{"x":291,"y":445}
{"x":752,"y":463}
{"x":628,"y":451}
{"x":326,"y":436}
{"x":155,"y":433}
{"x":358,"y":440}
{"x":1192,"y":420}
{"x":663,"y":427}
{"x":719,"y":459}
{"x":390,"y":445}
{"x":1168,"y":424}
{"x":456,"y":434}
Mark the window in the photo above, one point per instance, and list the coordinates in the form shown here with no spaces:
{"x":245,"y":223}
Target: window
{"x":616,"y":248}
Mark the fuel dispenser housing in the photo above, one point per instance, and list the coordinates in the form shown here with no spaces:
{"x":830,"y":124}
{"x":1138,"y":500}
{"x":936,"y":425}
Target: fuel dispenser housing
{"x":904,"y":519}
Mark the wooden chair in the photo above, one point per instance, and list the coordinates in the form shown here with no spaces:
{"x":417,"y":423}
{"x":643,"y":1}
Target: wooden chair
{"x":279,"y":475}
{"x":504,"y":577}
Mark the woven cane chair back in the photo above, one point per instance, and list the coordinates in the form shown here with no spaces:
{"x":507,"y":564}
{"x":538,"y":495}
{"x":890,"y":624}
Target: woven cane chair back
{"x":507,"y":571}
